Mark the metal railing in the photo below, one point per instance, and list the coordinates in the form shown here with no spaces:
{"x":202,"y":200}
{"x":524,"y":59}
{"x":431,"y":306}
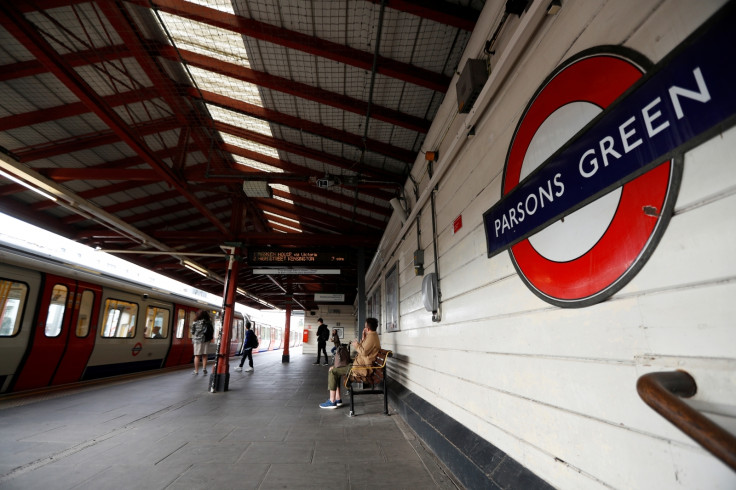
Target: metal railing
{"x":663,"y":392}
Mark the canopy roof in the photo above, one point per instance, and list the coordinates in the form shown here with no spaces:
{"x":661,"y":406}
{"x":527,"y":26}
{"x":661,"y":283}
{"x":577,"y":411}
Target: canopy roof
{"x":179,"y":127}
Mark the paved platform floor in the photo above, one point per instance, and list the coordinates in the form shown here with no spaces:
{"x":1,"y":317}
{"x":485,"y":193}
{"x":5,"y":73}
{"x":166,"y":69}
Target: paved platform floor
{"x":167,"y":431}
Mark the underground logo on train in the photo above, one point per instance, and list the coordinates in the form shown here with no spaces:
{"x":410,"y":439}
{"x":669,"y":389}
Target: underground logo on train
{"x":593,"y":169}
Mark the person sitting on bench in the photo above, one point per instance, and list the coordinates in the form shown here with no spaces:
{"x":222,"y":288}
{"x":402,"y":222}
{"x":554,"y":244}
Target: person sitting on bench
{"x":367,"y":349}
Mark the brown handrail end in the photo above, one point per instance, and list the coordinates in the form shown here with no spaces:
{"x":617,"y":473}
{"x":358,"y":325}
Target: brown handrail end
{"x":662,"y":391}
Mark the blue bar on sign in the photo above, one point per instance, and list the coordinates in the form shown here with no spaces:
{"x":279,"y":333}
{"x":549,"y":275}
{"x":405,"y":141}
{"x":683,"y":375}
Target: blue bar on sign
{"x":685,"y":98}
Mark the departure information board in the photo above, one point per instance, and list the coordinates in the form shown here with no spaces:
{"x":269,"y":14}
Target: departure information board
{"x":296,"y":257}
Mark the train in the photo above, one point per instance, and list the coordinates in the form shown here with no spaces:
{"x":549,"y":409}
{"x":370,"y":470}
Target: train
{"x":63,"y":323}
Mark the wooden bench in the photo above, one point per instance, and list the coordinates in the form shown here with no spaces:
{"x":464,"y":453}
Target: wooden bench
{"x":375,"y":375}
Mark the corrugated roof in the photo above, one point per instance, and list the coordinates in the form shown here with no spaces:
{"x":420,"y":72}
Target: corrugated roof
{"x":155,"y":113}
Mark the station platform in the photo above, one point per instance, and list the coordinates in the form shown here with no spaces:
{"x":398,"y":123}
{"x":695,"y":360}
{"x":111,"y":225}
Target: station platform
{"x":165,"y":430}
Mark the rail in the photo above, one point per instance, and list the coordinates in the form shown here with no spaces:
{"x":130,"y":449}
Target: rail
{"x":663,"y":392}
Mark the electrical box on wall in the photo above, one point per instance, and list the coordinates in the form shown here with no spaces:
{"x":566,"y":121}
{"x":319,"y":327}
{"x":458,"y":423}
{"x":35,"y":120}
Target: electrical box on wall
{"x":419,"y":262}
{"x":471,"y":82}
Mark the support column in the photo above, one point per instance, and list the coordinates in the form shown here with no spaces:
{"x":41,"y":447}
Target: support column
{"x":287,"y":334}
{"x":220,"y":378}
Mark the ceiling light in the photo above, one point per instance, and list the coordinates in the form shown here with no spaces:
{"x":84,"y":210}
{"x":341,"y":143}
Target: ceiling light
{"x":27,"y":186}
{"x":196,"y":268}
{"x":257,"y":188}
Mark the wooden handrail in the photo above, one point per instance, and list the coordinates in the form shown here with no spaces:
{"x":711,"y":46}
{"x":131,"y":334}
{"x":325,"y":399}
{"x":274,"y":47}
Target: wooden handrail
{"x":662,"y":391}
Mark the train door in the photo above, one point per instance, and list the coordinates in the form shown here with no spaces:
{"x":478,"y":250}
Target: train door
{"x":80,"y":338}
{"x":181,"y":345}
{"x":236,"y":334}
{"x":58,"y":310}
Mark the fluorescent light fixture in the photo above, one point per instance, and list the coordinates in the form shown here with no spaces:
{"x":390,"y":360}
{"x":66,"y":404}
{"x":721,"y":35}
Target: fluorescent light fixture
{"x":296,"y":271}
{"x":257,"y":188}
{"x":194,"y":267}
{"x":256,"y":298}
{"x":280,"y":216}
{"x":27,"y":186}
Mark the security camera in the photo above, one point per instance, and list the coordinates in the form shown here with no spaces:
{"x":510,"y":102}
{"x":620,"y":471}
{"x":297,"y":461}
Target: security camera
{"x":145,"y":296}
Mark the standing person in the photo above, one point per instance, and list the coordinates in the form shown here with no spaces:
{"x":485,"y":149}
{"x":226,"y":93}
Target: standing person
{"x":247,"y":349}
{"x":201,"y":324}
{"x":323,"y":333}
{"x":367,"y":349}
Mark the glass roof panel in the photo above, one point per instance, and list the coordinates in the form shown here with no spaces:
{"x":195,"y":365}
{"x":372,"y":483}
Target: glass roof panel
{"x":205,"y":39}
{"x":283,"y":199}
{"x":249,"y":145}
{"x":240,"y":120}
{"x":223,"y":5}
{"x":227,"y":46}
{"x":263,"y":167}
{"x":228,"y":86}
{"x":281,"y":187}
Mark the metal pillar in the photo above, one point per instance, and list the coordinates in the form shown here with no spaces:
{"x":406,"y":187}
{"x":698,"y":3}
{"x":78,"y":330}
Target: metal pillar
{"x":287,"y":331}
{"x":220,"y":377}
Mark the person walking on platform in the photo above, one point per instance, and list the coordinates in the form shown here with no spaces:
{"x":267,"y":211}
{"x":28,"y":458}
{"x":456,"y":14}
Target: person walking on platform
{"x":202,"y":323}
{"x":323,"y":333}
{"x":248,"y":344}
{"x":367,"y":349}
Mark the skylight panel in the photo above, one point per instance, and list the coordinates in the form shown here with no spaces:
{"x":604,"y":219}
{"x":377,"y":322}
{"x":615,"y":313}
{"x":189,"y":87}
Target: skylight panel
{"x":227,"y":86}
{"x":240,"y":120}
{"x":283,"y":199}
{"x":222,"y":5}
{"x":249,"y":145}
{"x":281,"y":187}
{"x":206,"y":40}
{"x":263,"y":167}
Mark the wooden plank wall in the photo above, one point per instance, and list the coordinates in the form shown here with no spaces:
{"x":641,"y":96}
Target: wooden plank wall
{"x":555,"y":388}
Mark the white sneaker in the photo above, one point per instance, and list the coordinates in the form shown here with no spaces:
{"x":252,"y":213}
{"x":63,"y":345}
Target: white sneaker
{"x":249,"y":370}
{"x":238,"y":369}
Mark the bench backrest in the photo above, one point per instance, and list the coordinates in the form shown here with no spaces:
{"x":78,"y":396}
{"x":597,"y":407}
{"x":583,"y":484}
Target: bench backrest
{"x":373,"y":373}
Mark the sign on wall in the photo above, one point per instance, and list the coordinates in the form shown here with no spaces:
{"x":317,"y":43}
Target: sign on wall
{"x":591,"y":174}
{"x":329,"y":297}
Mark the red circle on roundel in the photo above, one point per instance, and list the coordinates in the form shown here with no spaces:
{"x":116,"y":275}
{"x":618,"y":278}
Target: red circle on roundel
{"x":136,"y":349}
{"x":597,"y":79}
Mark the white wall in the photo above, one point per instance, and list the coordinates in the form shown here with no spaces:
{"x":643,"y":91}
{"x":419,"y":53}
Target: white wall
{"x":556,"y":388}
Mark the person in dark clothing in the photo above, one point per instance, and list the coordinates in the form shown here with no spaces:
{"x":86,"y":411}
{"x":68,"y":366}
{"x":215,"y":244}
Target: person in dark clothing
{"x":200,"y":345}
{"x":323,"y":333}
{"x":247,"y":349}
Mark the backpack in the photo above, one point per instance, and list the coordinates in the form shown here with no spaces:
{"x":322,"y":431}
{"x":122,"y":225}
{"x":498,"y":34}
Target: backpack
{"x":209,"y":331}
{"x":254,"y":341}
{"x":342,"y":356}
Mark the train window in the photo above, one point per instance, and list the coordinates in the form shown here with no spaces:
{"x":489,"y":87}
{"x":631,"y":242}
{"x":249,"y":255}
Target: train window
{"x":85,"y":313}
{"x":237,"y":330}
{"x":119,"y":318}
{"x":157,"y":323}
{"x":57,"y":306}
{"x":180,"y":322}
{"x":12,"y":299}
